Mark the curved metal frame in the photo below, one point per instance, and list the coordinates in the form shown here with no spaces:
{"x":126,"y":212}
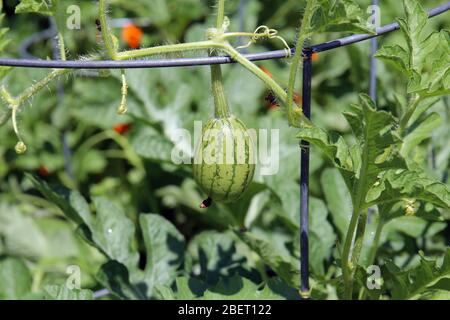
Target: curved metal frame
{"x":184,"y":62}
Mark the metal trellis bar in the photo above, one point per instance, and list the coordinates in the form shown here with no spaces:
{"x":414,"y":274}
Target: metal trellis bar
{"x":304,"y":178}
{"x":306,"y":91}
{"x":184,"y":62}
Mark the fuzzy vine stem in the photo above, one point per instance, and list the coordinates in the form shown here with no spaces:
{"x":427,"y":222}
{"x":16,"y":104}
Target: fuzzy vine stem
{"x":201,"y":45}
{"x":61,"y":46}
{"x":359,"y":206}
{"x":171,"y":48}
{"x":221,"y":109}
{"x":6,"y":96}
{"x":29,"y":92}
{"x":105,"y":31}
{"x":376,"y":242}
{"x":219,"y":42}
{"x":347,"y":265}
{"x":14,"y":121}
{"x":304,"y":33}
{"x":373,"y":251}
{"x":220,"y":102}
{"x":16,"y":102}
{"x":359,"y":239}
{"x":414,"y":103}
{"x":267,"y":80}
{"x":220,"y":13}
{"x":124,"y":92}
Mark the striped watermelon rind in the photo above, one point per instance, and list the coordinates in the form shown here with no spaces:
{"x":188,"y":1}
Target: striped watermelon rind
{"x":221,"y":179}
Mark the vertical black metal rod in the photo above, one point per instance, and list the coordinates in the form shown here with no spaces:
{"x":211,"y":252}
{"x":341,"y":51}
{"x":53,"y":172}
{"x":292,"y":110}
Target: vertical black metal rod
{"x":373,"y":75}
{"x":304,"y":179}
{"x":373,"y":70}
{"x":373,"y":62}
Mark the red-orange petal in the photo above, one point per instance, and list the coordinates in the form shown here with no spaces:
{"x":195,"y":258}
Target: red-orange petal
{"x":266,"y":71}
{"x":297,"y":98}
{"x":122,"y":128}
{"x":132,"y":35}
{"x":43,"y":171}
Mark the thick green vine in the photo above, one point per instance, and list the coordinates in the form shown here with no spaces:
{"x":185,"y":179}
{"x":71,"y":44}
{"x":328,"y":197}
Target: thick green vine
{"x":217,"y":41}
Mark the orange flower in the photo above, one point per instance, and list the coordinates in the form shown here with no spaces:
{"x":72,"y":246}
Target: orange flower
{"x":43,"y":171}
{"x":297,"y":98}
{"x":266,"y":71}
{"x":273,"y":106}
{"x":132,"y":35}
{"x":315,"y":56}
{"x":122,"y":128}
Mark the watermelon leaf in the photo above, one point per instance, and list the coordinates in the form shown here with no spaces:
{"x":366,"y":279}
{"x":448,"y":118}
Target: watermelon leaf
{"x":62,"y":292}
{"x":230,"y":288}
{"x":115,"y":277}
{"x":285,"y":266}
{"x":15,"y":279}
{"x":420,"y":280}
{"x":164,"y":250}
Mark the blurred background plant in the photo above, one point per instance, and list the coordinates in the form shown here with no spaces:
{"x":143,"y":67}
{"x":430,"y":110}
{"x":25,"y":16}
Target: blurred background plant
{"x":125,"y":160}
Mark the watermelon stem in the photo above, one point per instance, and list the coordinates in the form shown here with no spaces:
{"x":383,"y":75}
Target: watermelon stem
{"x":221,"y":109}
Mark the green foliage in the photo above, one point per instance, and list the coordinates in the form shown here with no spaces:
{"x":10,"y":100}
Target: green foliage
{"x":112,"y":232}
{"x":88,"y":189}
{"x":377,"y":175}
{"x":374,"y":153}
{"x":216,"y":255}
{"x":61,"y":292}
{"x":426,"y":58}
{"x":116,"y":278}
{"x":36,"y":6}
{"x":15,"y":279}
{"x":400,"y":184}
{"x":342,"y":15}
{"x":286,"y":267}
{"x":337,"y":197}
{"x":234,"y":288}
{"x":428,"y":278}
{"x":421,"y":130}
{"x":164,"y":247}
{"x":4,"y":41}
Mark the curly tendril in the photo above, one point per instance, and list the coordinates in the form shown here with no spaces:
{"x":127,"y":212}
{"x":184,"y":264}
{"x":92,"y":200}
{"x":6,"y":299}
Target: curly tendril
{"x":264,"y":32}
{"x":123,"y":103}
{"x":20,"y":145}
